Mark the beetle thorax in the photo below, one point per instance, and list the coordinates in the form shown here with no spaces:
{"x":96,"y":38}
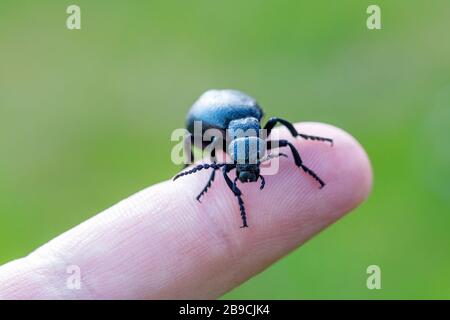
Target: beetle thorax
{"x":245,"y":146}
{"x":247,"y":150}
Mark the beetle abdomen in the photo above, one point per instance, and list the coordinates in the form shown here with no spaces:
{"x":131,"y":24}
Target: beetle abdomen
{"x":216,"y":108}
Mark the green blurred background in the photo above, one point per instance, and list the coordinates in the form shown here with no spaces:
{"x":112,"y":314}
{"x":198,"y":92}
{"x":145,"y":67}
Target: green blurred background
{"x":86,"y":118}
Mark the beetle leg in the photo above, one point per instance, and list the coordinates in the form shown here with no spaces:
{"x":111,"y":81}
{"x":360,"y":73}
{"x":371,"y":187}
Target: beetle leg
{"x":297,"y":159}
{"x":237,"y":193}
{"x":273,"y":121}
{"x":263,"y":182}
{"x":199,"y":167}
{"x":211,"y":177}
{"x":207,"y":186}
{"x":271,"y":156}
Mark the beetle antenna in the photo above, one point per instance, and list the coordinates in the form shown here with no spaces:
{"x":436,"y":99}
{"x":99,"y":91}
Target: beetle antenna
{"x":238,"y":195}
{"x":272,"y":156}
{"x":199,"y":167}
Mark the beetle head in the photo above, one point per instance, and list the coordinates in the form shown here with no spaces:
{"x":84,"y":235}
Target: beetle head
{"x":247,"y":172}
{"x":246,"y":153}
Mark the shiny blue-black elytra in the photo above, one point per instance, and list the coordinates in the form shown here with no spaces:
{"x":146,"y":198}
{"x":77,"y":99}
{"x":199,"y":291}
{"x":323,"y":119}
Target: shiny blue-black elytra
{"x":237,"y":116}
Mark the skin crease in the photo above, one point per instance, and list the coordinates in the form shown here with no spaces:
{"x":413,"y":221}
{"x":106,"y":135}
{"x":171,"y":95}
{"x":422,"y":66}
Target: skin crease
{"x":162,"y":244}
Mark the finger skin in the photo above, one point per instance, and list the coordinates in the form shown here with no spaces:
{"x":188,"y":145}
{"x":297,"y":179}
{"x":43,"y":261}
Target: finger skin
{"x":162,"y":244}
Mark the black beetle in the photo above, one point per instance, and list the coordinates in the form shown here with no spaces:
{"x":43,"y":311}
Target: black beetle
{"x":238,"y":116}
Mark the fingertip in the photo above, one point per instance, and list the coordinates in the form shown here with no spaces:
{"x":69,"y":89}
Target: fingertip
{"x":164,"y":244}
{"x":345,"y":168}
